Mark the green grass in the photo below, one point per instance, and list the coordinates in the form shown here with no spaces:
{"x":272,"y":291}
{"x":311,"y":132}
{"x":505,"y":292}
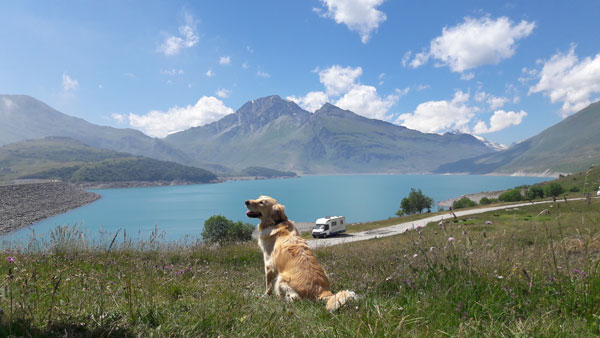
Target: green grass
{"x":522,"y":275}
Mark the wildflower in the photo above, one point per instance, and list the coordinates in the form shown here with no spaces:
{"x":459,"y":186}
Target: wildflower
{"x":415,"y":255}
{"x":441,"y":223}
{"x":11,"y":259}
{"x":488,"y":222}
{"x":500,"y":277}
{"x":450,"y":239}
{"x":464,"y":232}
{"x":431,"y":249}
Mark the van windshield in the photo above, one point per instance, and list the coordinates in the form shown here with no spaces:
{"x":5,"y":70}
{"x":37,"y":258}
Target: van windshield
{"x":320,"y":227}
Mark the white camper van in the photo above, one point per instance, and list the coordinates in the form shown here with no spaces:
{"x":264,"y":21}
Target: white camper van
{"x":329,"y":226}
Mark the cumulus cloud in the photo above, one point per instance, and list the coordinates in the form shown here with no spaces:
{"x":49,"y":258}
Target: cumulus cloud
{"x":365,"y":101}
{"x":338,"y":80}
{"x":120,"y":118}
{"x":223,"y":93}
{"x":311,"y":102}
{"x":438,"y":116}
{"x":225,"y":60}
{"x":69,"y":84}
{"x":360,"y":16}
{"x":493,"y":101}
{"x":160,"y":124}
{"x":175,"y":43}
{"x":210,"y":73}
{"x":474,"y":43}
{"x":569,"y":80}
{"x":500,"y":120}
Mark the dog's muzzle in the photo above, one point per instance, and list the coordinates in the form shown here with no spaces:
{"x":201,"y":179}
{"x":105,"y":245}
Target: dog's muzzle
{"x":250,"y":213}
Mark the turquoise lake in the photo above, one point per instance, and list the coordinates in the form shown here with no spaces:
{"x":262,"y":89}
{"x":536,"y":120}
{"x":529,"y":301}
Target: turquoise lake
{"x":180,"y":211}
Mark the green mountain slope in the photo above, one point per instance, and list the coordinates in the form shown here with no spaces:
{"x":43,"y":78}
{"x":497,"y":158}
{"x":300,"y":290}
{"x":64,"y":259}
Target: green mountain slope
{"x":571,"y":145}
{"x":274,"y":133}
{"x":24,"y":117}
{"x":71,"y":160}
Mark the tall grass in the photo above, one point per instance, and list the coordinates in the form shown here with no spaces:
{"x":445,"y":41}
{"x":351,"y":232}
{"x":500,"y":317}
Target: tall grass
{"x":508,"y":273}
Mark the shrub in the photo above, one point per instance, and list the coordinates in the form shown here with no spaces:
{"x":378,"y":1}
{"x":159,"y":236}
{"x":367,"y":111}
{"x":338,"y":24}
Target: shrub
{"x":485,"y":201}
{"x":511,"y":196}
{"x":463,"y":203}
{"x":553,"y":189}
{"x":534,"y":192}
{"x":219,"y":229}
{"x":574,"y":189}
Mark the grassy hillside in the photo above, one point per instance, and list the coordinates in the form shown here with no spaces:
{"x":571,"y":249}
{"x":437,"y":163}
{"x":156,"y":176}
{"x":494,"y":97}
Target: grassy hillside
{"x":72,"y":161}
{"x":521,"y":275}
{"x":571,"y":145}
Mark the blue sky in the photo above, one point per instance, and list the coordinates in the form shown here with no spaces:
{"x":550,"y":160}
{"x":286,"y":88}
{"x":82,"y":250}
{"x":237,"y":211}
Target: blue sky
{"x":501,"y":70}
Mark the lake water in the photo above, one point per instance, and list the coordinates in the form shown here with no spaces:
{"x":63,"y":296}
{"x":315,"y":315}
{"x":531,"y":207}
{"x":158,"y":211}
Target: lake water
{"x":180,"y":211}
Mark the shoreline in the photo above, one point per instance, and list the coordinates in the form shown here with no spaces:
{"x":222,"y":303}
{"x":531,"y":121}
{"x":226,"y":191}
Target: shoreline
{"x":22,"y":205}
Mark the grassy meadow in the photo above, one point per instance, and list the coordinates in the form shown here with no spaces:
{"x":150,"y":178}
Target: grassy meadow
{"x":521,"y":275}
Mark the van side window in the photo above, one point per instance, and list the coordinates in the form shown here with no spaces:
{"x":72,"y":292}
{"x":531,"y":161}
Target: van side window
{"x":341,"y":222}
{"x":333,"y":223}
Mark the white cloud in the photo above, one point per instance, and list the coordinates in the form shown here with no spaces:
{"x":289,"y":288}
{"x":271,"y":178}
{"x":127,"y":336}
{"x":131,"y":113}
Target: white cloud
{"x":405,"y":58}
{"x":69,"y":84}
{"x":402,"y":92}
{"x":120,"y":118}
{"x":569,"y":80}
{"x":245,"y":65}
{"x":225,"y":60}
{"x":422,"y":87}
{"x":223,"y":93}
{"x":365,"y":101}
{"x":439,"y":116}
{"x":311,"y":102}
{"x":475,"y":42}
{"x":160,"y":124}
{"x":338,"y":80}
{"x":210,"y":73}
{"x":467,"y":76}
{"x":171,"y":72}
{"x":187,"y":38}
{"x":500,"y":120}
{"x":381,"y":77}
{"x":263,"y":74}
{"x":494,"y":102}
{"x":358,"y":15}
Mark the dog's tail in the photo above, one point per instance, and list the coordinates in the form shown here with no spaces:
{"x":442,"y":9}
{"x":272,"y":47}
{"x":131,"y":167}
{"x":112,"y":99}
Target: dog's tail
{"x":334,"y":302}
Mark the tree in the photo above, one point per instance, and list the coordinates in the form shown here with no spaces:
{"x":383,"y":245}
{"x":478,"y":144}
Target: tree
{"x":511,"y":196}
{"x":415,"y":203}
{"x":464,"y":202}
{"x":219,"y":229}
{"x":485,"y":201}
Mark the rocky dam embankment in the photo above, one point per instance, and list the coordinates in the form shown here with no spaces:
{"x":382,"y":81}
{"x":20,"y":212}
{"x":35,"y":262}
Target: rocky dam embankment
{"x":24,"y":204}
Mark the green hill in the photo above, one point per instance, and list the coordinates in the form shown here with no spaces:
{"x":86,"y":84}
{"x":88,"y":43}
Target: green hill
{"x":24,"y":118}
{"x":266,"y":172}
{"x":571,"y":145}
{"x":72,"y":161}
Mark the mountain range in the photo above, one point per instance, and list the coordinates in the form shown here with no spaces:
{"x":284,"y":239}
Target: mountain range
{"x":571,"y":145}
{"x":275,"y":133}
{"x":278,"y":134}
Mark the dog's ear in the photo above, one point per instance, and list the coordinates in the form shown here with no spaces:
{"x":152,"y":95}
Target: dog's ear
{"x":279,"y":213}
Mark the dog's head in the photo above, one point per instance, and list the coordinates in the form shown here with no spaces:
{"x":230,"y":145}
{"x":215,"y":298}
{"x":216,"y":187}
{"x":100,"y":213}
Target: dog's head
{"x":267,"y":209}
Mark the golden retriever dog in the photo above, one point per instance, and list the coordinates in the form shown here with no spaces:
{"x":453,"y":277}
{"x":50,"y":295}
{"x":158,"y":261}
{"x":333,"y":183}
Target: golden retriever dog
{"x":291,"y":268}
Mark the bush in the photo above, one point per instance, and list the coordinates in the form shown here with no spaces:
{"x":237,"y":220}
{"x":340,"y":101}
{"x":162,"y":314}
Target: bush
{"x":511,"y":196}
{"x":485,"y":201}
{"x":534,"y":192}
{"x":574,"y":189}
{"x":219,"y":229}
{"x":553,"y":189}
{"x":463,"y":203}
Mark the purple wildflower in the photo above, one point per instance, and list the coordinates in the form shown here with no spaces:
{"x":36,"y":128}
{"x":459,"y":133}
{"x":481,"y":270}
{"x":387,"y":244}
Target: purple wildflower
{"x":450,"y":239}
{"x":488,"y":222}
{"x":11,"y":259}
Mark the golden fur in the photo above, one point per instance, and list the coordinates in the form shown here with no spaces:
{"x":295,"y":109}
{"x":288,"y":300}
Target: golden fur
{"x":291,"y":268}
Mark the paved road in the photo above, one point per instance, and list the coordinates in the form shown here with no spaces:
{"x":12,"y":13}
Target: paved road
{"x":402,"y":227}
